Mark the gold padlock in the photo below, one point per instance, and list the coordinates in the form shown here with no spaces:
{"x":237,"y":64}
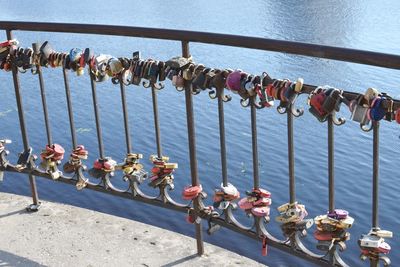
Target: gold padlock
{"x":187,"y":74}
{"x":80,"y":71}
{"x":170,"y":165}
{"x":299,"y":85}
{"x":81,"y":184}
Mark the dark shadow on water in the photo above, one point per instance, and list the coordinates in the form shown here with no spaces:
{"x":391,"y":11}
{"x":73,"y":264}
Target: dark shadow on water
{"x":174,"y":263}
{"x":9,"y":259}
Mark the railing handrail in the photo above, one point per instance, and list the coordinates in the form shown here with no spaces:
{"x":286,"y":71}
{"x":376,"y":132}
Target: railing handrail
{"x":298,"y":48}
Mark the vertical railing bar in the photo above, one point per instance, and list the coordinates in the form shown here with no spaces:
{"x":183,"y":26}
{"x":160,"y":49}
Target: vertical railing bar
{"x":18,"y":97}
{"x":21,"y":118}
{"x":44,"y":101}
{"x":126,"y":118}
{"x":374,"y":262}
{"x":331,"y":163}
{"x":156,"y":120}
{"x":97,"y":116}
{"x":292,"y":189}
{"x":256,"y":175}
{"x":220,"y":92}
{"x":375,"y":175}
{"x":69,"y":105}
{"x":192,"y":148}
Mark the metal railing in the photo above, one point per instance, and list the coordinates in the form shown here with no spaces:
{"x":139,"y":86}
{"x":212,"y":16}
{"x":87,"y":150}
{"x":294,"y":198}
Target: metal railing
{"x":256,"y":92}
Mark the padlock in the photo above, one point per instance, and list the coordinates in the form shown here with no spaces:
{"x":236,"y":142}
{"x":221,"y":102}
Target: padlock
{"x":180,"y":82}
{"x":208,"y":81}
{"x":359,"y":113}
{"x":260,"y":211}
{"x":154,"y":72}
{"x":161,"y":71}
{"x":381,"y":233}
{"x":370,"y":94}
{"x":332,"y":100}
{"x":178,"y":63}
{"x":187,"y":73}
{"x":377,"y":112}
{"x":233,"y":81}
{"x":24,"y":158}
{"x":200,"y":79}
{"x":316,"y":102}
{"x":115,"y":66}
{"x":338,"y":214}
{"x":46,"y":49}
{"x":171,"y":74}
{"x":373,"y":244}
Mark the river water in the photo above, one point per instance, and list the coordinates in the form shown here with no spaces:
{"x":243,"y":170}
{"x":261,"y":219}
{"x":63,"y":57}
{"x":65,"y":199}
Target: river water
{"x":369,"y":25}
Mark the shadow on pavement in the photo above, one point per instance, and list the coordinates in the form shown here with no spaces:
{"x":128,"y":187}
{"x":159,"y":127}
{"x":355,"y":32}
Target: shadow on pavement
{"x":174,"y":263}
{"x":9,"y":259}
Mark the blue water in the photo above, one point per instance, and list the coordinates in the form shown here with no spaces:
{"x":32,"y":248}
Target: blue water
{"x":370,"y":25}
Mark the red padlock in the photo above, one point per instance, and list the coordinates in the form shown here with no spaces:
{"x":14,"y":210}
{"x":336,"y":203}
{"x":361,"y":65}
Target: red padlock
{"x":264,"y":250}
{"x":323,"y":236}
{"x":191,"y":192}
{"x":317,"y":101}
{"x":398,"y":116}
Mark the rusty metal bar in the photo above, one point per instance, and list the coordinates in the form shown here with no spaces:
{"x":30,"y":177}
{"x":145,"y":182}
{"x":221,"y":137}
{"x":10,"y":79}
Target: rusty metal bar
{"x":331,"y":164}
{"x":254,"y":147}
{"x":69,"y":105}
{"x":375,"y":175}
{"x":21,"y":116}
{"x":192,"y":148}
{"x":97,"y":116}
{"x":292,"y":185}
{"x":126,"y":117}
{"x":221,"y":119}
{"x":297,"y":48}
{"x":43,"y":95}
{"x":156,"y":121}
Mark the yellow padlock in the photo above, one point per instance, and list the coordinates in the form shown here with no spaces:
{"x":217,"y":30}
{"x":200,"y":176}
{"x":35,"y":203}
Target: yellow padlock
{"x":170,"y":165}
{"x":80,"y":71}
{"x":299,"y":85}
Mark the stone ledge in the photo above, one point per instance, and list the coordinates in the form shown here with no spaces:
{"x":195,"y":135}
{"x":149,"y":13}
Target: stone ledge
{"x":62,"y":235}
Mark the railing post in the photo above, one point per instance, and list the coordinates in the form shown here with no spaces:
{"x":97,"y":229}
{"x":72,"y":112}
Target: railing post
{"x":331,"y":163}
{"x":97,"y":116}
{"x":24,"y":133}
{"x":375,"y":182}
{"x":126,"y":117}
{"x":156,"y":120}
{"x":69,"y":105}
{"x":192,"y":148}
{"x":43,"y":95}
{"x":254,"y":147}
{"x":221,"y":119}
{"x":292,"y":188}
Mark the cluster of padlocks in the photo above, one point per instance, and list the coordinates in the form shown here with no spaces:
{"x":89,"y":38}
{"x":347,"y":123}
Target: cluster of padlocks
{"x":262,"y":89}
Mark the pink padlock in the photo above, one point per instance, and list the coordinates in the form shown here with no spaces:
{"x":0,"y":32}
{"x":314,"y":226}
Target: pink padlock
{"x":260,"y":211}
{"x":180,"y":82}
{"x":244,"y":204}
{"x":264,"y":201}
{"x":97,"y":165}
{"x":263,"y":192}
{"x":233,"y":80}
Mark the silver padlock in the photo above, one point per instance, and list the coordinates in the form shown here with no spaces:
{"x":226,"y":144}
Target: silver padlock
{"x":360,"y":114}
